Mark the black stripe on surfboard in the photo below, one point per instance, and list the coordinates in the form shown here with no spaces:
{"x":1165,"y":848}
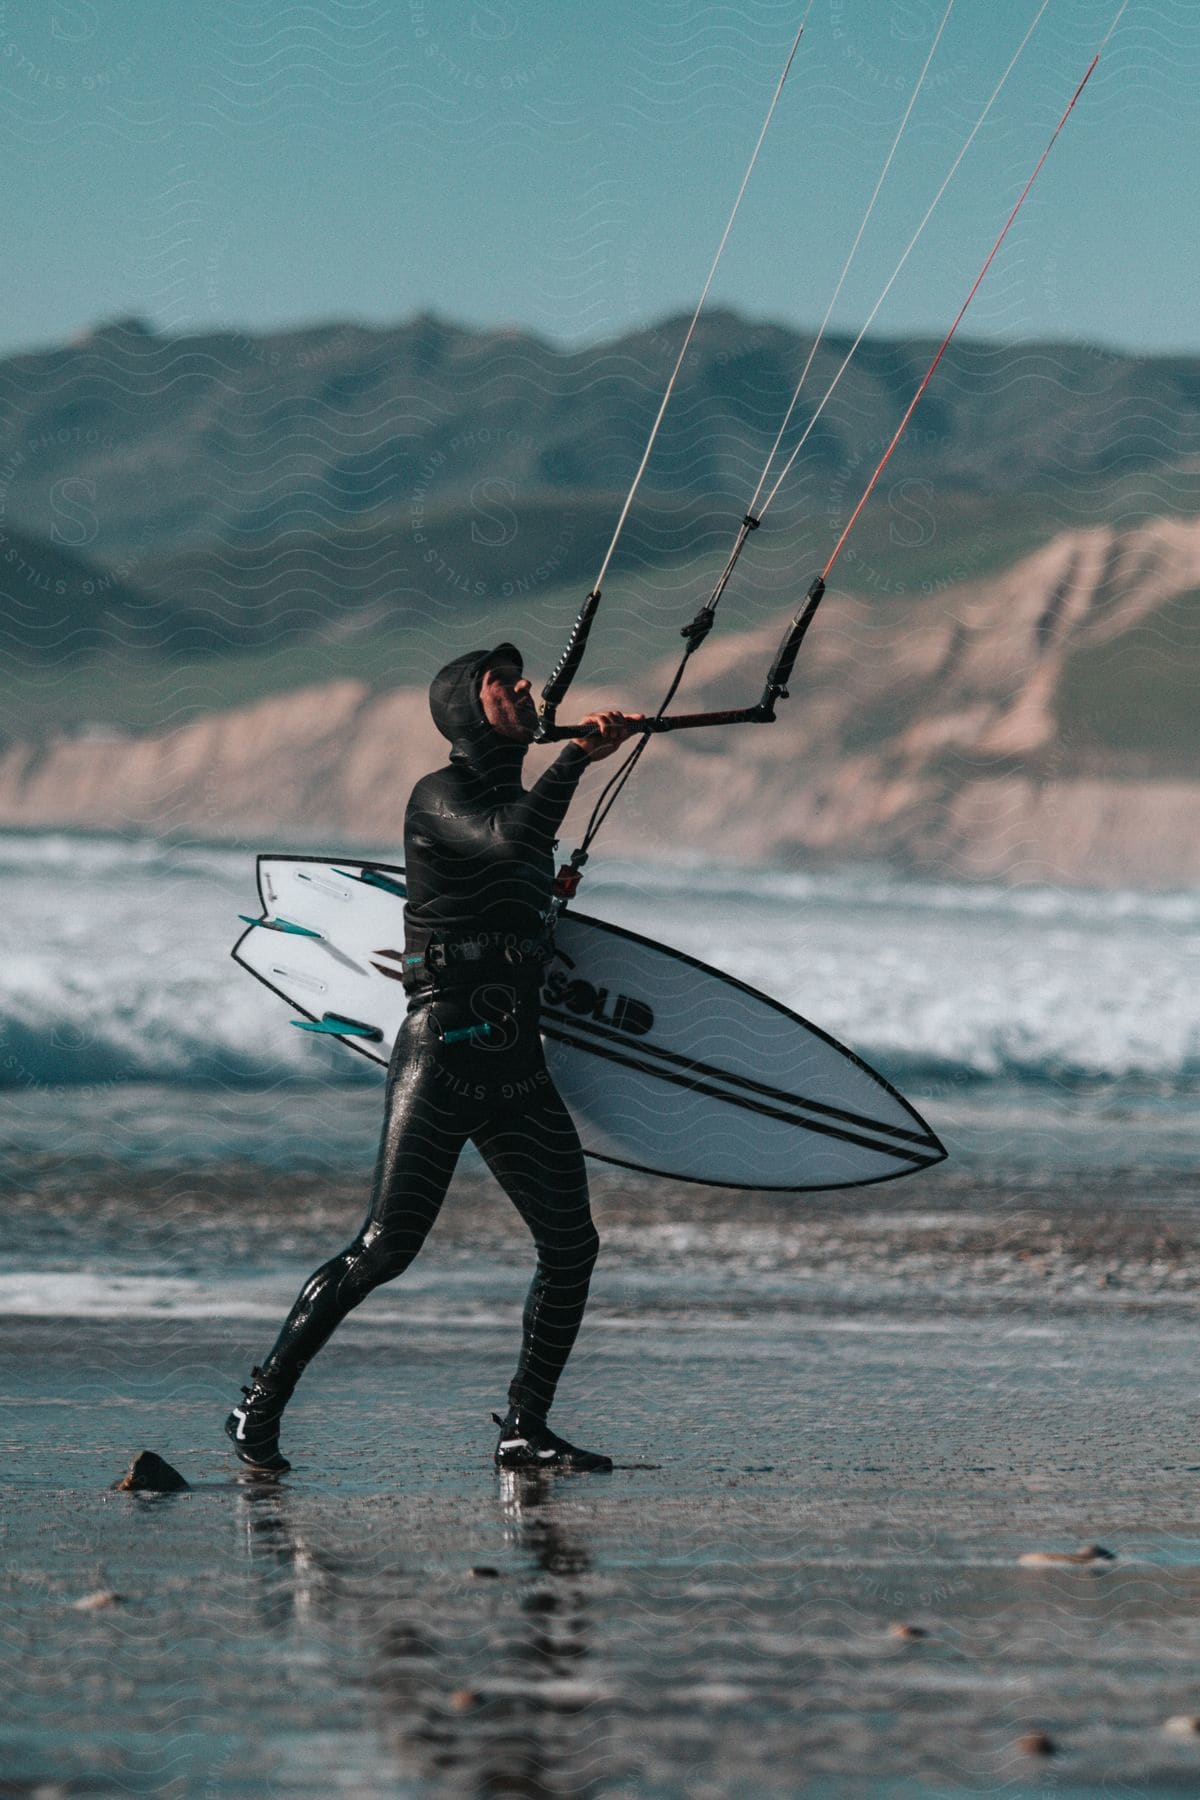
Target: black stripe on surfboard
{"x":743,"y":1081}
{"x":915,"y":1157}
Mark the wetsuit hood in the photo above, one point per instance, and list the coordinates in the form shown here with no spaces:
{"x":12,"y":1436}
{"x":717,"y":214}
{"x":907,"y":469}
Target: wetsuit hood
{"x":458,"y":714}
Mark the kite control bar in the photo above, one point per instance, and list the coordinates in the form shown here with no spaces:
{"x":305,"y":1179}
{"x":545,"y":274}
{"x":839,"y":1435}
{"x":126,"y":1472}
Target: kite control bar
{"x":761,"y":713}
{"x":742,"y":715}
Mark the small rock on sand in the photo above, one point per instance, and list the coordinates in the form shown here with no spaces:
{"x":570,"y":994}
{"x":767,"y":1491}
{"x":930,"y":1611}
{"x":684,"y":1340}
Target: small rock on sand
{"x":907,"y":1634}
{"x":1087,"y":1556}
{"x":97,"y":1602}
{"x":483,"y":1573}
{"x":149,"y":1474}
{"x":1037,"y":1743}
{"x":1183,"y":1725}
{"x":463,"y":1699}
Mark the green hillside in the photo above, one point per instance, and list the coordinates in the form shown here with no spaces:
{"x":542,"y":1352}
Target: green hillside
{"x":130,"y":446}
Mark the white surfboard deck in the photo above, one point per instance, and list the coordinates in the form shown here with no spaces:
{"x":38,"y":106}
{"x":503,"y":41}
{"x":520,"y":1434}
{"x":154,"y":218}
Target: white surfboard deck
{"x":667,"y":1065}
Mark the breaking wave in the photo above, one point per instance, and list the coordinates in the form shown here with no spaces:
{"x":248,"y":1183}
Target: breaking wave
{"x":121,"y":971}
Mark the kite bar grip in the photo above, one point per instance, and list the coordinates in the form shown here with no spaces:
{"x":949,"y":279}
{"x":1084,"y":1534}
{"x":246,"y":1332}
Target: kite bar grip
{"x":780,"y":672}
{"x":568,"y":667}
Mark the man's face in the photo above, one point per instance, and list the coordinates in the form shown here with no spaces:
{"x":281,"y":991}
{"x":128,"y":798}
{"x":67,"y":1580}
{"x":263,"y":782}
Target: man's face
{"x":507,"y":700}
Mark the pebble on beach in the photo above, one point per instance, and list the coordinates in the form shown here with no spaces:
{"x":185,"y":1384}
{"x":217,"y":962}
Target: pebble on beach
{"x":1037,"y":1743}
{"x":1087,"y":1556}
{"x":149,"y":1474}
{"x":97,"y":1602}
{"x":1182,"y":1725}
{"x":907,"y":1634}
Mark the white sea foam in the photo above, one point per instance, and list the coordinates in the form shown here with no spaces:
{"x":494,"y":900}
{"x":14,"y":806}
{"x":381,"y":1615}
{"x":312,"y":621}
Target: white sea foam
{"x":120,"y":972}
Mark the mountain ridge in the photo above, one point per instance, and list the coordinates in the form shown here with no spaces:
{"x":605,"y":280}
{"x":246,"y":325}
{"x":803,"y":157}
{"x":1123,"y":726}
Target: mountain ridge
{"x":226,"y":437}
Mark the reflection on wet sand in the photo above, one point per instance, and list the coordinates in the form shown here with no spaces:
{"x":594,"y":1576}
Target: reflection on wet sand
{"x":469,"y":1681}
{"x":533,"y":1708}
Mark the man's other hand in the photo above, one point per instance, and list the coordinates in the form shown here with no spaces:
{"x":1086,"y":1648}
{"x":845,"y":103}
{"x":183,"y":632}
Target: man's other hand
{"x":613,"y":728}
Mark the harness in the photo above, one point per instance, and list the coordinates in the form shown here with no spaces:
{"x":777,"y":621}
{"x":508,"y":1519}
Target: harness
{"x":449,"y":964}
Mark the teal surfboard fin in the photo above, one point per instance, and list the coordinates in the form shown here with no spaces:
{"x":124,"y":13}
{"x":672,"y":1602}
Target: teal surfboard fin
{"x":465,"y":1034}
{"x":282,"y":925}
{"x":337,"y":1025}
{"x":373,"y":878}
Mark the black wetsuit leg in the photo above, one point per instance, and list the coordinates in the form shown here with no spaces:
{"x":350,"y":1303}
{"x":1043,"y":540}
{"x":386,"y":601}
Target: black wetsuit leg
{"x":426,"y":1124}
{"x":437,"y":1098}
{"x":534,"y":1152}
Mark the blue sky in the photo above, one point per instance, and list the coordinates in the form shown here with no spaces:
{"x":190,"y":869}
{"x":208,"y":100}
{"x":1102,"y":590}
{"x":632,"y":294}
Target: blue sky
{"x":567,"y":166}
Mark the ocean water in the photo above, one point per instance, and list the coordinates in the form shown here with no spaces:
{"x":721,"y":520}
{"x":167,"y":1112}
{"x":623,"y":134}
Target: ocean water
{"x":1033,"y":1026}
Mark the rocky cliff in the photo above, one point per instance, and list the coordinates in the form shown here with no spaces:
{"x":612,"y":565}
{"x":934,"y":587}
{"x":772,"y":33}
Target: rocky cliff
{"x":1038,"y":725}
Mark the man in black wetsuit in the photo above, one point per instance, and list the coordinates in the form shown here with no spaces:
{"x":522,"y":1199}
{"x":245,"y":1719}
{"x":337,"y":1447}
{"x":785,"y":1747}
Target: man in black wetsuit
{"x":468,"y":1061}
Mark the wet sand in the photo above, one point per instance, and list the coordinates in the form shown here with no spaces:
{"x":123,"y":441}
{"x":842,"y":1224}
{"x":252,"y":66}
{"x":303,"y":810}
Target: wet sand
{"x":831,"y":1417}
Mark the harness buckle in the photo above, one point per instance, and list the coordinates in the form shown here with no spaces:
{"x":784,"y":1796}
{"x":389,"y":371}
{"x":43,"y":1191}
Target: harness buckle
{"x":566,"y":882}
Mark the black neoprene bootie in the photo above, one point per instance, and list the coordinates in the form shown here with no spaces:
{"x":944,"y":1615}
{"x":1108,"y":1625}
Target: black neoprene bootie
{"x":253,"y":1427}
{"x":527,"y":1442}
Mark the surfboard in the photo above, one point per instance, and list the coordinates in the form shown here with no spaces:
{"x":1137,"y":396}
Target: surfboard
{"x":666,"y":1064}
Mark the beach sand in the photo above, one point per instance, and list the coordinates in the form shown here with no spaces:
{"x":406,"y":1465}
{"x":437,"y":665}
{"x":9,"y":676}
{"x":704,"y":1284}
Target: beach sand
{"x":831,"y":1417}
